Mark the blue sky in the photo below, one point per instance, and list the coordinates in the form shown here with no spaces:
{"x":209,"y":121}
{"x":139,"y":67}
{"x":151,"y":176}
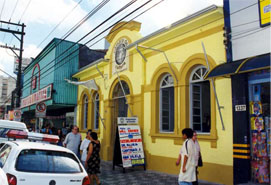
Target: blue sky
{"x":41,"y":16}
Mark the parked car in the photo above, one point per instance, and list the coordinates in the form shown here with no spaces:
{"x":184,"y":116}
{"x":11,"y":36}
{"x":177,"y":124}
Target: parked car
{"x":35,"y":163}
{"x":3,"y":177}
{"x":6,"y":125}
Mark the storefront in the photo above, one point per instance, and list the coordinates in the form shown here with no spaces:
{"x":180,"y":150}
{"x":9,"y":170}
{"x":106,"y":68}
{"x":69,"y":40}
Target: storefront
{"x":247,"y":40}
{"x":48,"y":99}
{"x":251,"y":117}
{"x":160,"y":79}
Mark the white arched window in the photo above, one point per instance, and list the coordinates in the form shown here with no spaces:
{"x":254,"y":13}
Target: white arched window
{"x":85,"y":112}
{"x":96,"y":111}
{"x":200,"y":109}
{"x":166,"y":104}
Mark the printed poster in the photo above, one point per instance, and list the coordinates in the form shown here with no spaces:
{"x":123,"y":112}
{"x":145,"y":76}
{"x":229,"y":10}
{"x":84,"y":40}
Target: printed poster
{"x":131,"y":145}
{"x":257,"y":123}
{"x":255,"y":108}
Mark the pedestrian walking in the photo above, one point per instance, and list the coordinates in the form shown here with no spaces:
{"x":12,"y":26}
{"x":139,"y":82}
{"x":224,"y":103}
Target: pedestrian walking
{"x":187,"y":159}
{"x":198,"y":158}
{"x":72,"y":140}
{"x":60,"y":135}
{"x":84,"y":146}
{"x":93,"y":158}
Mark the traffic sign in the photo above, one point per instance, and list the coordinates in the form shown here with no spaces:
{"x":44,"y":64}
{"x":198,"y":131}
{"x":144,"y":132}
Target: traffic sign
{"x":41,"y":110}
{"x":17,"y":115}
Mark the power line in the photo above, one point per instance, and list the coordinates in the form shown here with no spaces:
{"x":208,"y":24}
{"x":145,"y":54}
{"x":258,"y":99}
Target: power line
{"x":2,"y":10}
{"x":13,"y":10}
{"x":92,"y":12}
{"x":8,"y":74}
{"x":60,"y":22}
{"x":82,"y":21}
{"x":120,"y":10}
{"x":25,"y":10}
{"x":155,"y":44}
{"x":251,"y":33}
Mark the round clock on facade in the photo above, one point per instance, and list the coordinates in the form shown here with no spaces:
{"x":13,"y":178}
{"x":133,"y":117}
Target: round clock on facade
{"x":120,"y":51}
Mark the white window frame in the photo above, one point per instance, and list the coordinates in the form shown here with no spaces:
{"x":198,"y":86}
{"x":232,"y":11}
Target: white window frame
{"x":169,"y":84}
{"x":85,"y":112}
{"x":96,"y":103}
{"x":191,"y":84}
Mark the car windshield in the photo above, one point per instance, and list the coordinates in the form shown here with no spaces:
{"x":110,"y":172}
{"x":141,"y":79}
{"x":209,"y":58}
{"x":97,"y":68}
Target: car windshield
{"x":45,"y":161}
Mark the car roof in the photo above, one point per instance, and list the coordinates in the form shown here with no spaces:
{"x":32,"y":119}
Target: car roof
{"x":37,"y":145}
{"x":12,"y":124}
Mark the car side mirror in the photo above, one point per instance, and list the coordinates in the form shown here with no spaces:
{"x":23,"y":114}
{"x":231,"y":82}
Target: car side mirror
{"x":1,"y":164}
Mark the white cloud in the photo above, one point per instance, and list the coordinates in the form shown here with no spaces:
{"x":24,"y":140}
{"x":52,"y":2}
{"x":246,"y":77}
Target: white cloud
{"x":171,"y":11}
{"x":31,"y":51}
{"x":6,"y":61}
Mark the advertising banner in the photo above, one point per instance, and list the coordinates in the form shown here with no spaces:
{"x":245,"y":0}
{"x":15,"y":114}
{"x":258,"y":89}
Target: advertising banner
{"x":131,"y":145}
{"x":41,"y":95}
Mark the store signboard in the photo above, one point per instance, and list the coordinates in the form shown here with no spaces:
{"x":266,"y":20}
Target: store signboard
{"x":127,"y":120}
{"x":41,"y":95}
{"x":265,"y":12}
{"x":25,"y":62}
{"x":11,"y":115}
{"x":131,"y":145}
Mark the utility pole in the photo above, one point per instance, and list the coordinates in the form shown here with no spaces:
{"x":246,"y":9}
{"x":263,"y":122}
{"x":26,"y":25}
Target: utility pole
{"x":15,"y":33}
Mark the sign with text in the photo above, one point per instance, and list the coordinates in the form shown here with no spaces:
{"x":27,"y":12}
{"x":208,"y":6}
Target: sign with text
{"x":265,"y":12}
{"x":25,"y":62}
{"x":41,"y":110}
{"x":240,"y":107}
{"x":131,"y":145}
{"x":41,"y":95}
{"x":127,"y":120}
{"x":17,"y":115}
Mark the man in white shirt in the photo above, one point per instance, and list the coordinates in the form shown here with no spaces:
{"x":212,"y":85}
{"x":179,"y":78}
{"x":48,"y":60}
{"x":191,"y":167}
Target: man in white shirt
{"x":72,"y":140}
{"x":187,"y":159}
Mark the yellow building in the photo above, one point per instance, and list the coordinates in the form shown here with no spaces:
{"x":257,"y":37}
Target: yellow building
{"x":162,"y":75}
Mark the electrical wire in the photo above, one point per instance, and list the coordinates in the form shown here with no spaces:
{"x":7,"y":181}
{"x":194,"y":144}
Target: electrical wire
{"x":251,"y":33}
{"x":92,"y":12}
{"x":13,"y":10}
{"x":8,"y":74}
{"x":24,"y":10}
{"x":62,"y":20}
{"x":74,"y":44}
{"x":174,"y":37}
{"x":243,"y":24}
{"x":2,"y":11}
{"x":21,"y":17}
{"x":82,"y":21}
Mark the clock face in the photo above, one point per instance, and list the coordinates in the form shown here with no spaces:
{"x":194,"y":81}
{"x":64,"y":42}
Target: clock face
{"x":120,"y":51}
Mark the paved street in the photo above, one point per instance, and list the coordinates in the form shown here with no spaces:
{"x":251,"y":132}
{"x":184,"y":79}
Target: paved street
{"x":135,"y":176}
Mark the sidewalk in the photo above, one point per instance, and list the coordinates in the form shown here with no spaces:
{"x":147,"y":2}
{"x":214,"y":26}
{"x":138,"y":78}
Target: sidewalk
{"x":135,"y":176}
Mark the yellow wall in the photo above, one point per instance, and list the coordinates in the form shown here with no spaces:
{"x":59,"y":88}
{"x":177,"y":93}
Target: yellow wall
{"x":183,"y":47}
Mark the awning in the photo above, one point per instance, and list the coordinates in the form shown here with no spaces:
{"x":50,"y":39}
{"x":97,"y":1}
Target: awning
{"x":241,"y":66}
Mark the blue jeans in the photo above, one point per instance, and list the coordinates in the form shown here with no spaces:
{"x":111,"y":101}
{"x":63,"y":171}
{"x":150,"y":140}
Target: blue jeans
{"x":184,"y":183}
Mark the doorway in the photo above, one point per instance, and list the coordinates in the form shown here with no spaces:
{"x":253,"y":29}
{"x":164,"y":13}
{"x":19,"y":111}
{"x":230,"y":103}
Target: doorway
{"x":120,"y":107}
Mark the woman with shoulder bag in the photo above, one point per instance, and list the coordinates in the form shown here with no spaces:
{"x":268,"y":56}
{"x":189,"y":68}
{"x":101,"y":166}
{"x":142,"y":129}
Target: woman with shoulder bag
{"x":198,"y":159}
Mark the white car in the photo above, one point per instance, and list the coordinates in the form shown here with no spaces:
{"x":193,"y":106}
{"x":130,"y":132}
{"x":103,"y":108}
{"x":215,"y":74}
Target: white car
{"x":3,"y":178}
{"x":6,"y":125}
{"x":34,"y":163}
